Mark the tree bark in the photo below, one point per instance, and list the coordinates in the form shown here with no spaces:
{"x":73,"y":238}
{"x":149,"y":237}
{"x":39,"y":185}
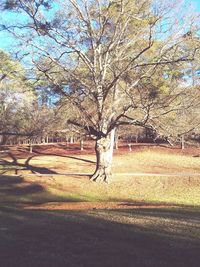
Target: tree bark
{"x":104,"y":154}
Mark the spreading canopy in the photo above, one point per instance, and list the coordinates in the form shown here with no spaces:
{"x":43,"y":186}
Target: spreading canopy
{"x":114,"y":62}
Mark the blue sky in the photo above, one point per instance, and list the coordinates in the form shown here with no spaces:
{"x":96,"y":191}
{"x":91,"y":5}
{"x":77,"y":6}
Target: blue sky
{"x":6,"y":41}
{"x":196,"y":4}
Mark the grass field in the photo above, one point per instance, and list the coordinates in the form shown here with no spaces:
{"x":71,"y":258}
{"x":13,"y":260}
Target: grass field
{"x":49,"y":219}
{"x":41,"y":176}
{"x":144,"y":237}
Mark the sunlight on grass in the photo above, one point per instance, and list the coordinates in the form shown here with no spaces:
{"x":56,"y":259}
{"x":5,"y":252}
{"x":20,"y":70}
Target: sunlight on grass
{"x":169,"y":190}
{"x":154,"y":189}
{"x":152,"y":161}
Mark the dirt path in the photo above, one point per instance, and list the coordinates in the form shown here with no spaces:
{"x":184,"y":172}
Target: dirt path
{"x":95,"y":206}
{"x":179,"y":174}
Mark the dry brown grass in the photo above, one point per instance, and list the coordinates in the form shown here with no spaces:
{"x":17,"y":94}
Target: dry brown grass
{"x":140,"y":221}
{"x":123,"y":186}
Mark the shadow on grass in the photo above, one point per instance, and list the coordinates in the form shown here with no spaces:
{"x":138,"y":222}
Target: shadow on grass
{"x":14,"y":187}
{"x":17,"y":186}
{"x":98,"y":238}
{"x":16,"y":166}
{"x":18,"y":191}
{"x":65,"y":156}
{"x":177,"y":214}
{"x":24,"y":166}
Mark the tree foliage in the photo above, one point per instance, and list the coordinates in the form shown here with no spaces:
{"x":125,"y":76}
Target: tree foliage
{"x":16,"y":94}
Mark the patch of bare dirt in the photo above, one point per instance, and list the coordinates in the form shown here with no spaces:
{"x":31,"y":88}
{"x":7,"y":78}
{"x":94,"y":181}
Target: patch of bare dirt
{"x":94,"y":206}
{"x":63,"y":149}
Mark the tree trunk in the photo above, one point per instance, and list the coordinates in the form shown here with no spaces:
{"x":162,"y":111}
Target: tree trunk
{"x":116,"y":141}
{"x":81,"y":144}
{"x":4,"y":139}
{"x":71,"y":139}
{"x":31,"y":147}
{"x":183,"y":142}
{"x":104,"y":154}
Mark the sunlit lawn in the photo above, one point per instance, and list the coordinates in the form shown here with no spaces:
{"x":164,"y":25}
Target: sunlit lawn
{"x":127,"y":184}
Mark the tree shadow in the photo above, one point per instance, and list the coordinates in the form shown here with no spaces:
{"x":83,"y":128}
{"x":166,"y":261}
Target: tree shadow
{"x":17,"y":186}
{"x":16,"y":190}
{"x":25,"y":166}
{"x":97,"y":238}
{"x":10,"y":180}
{"x":24,"y":190}
{"x":166,"y":212}
{"x":65,"y":156}
{"x":80,"y":159}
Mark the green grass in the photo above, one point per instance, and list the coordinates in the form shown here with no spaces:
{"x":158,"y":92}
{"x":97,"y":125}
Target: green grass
{"x":36,"y":189}
{"x":154,"y":189}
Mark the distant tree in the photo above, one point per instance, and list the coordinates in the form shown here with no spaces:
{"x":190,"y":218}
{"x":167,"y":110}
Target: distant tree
{"x":23,"y":111}
{"x":114,"y":62}
{"x":16,"y":95}
{"x":180,"y":123}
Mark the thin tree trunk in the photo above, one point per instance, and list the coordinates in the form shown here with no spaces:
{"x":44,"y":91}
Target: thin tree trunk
{"x":130,"y":147}
{"x":31,"y":147}
{"x":71,"y":139}
{"x":104,"y":154}
{"x":116,"y":141}
{"x":81,"y":145}
{"x":182,"y":142}
{"x":4,"y":139}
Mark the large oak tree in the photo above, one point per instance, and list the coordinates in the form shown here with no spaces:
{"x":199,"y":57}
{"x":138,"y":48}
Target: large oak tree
{"x":114,"y":62}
